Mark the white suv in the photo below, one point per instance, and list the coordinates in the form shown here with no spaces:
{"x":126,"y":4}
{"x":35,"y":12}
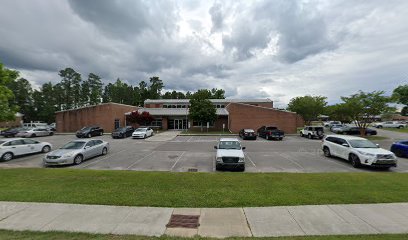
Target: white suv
{"x":389,"y":124}
{"x":359,"y":151}
{"x":229,"y":154}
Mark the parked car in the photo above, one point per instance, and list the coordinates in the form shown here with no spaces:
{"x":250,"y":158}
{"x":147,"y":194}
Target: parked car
{"x":400,"y":148}
{"x":89,"y":132}
{"x":77,"y":151}
{"x":229,"y":154}
{"x":354,"y":131}
{"x":52,"y":127}
{"x":270,"y":133}
{"x":142,"y":132}
{"x":389,"y":124}
{"x":336,"y":127}
{"x":35,"y":124}
{"x":312,"y":132}
{"x":247,"y":134}
{"x":330,"y":123}
{"x":35,"y":132}
{"x":11,"y":132}
{"x":123,"y":132}
{"x":359,"y":151}
{"x":9,"y":148}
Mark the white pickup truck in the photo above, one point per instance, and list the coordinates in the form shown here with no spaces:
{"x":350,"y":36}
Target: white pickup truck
{"x":389,"y":124}
{"x":229,"y":154}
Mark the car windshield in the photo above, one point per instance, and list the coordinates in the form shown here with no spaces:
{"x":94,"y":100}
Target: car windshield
{"x":271,"y":128}
{"x":120,"y":129}
{"x":73,"y":145}
{"x":1,"y":142}
{"x":85,"y":128}
{"x":230,"y":145}
{"x":141,"y":130}
{"x":249,"y":130}
{"x":362,"y":144}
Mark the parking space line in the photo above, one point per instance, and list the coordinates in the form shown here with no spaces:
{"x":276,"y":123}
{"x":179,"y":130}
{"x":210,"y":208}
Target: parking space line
{"x":139,"y":160}
{"x":292,"y":161}
{"x":178,"y":159}
{"x":109,"y":155}
{"x":250,"y":159}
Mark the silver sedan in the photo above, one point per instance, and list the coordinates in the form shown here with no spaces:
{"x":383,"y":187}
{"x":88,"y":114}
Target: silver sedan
{"x":76,"y":151}
{"x":35,"y":132}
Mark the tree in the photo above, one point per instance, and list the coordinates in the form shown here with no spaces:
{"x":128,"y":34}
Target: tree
{"x":404,"y":111}
{"x":7,"y":108}
{"x":400,"y":94}
{"x":217,"y":93}
{"x":22,"y":91}
{"x":309,"y":107}
{"x":143,"y":118}
{"x":201,"y":108}
{"x":364,"y":107}
{"x":71,"y":87}
{"x":95,"y":88}
{"x":156,"y":86}
{"x":338,"y":112}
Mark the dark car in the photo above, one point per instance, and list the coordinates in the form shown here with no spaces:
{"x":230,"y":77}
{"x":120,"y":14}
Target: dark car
{"x":247,"y":134}
{"x":400,"y":149}
{"x":11,"y":132}
{"x":123,"y":132}
{"x":89,"y":132}
{"x":270,"y":132}
{"x":354,"y":131}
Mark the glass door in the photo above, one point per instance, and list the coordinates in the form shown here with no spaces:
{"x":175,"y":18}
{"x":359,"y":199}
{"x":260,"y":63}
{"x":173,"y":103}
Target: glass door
{"x":179,"y":124}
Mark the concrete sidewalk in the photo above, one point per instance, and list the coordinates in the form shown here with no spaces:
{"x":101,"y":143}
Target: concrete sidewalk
{"x":214,"y":222}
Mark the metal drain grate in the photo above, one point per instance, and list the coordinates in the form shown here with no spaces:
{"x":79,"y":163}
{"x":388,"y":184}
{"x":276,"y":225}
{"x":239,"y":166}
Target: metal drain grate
{"x":183,"y":221}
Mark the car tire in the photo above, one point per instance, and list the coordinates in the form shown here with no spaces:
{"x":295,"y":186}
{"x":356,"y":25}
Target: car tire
{"x":7,"y":156}
{"x":145,"y":136}
{"x":309,"y":136}
{"x":89,"y":135}
{"x":399,"y":153}
{"x":104,"y":151}
{"x":326,"y":152}
{"x":46,"y":149}
{"x":242,"y":169}
{"x":301,"y":134}
{"x":78,"y":159}
{"x":368,"y":134}
{"x":100,"y":133}
{"x":33,"y":135}
{"x":400,"y":127}
{"x":280,"y":139}
{"x":355,"y":161}
{"x":51,"y":133}
{"x":380,"y":126}
{"x":217,"y":167}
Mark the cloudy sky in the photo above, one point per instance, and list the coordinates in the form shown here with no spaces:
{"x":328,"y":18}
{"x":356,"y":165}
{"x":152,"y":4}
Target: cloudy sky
{"x":253,"y":49}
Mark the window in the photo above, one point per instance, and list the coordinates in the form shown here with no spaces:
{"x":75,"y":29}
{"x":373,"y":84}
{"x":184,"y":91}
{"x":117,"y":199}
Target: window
{"x":96,"y":142}
{"x":30,"y":141}
{"x":117,"y":124}
{"x":199,"y":124}
{"x":16,"y":142}
{"x":90,"y":144}
{"x":178,"y":106}
{"x":164,"y":106}
{"x":156,"y":123}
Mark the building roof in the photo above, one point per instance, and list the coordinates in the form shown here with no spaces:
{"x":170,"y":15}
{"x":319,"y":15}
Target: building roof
{"x":175,"y":111}
{"x":101,"y":104}
{"x":186,"y":101}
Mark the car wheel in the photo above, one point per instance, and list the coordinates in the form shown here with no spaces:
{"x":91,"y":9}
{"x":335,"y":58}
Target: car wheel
{"x":326,"y":152}
{"x":104,"y":151}
{"x":51,"y":133}
{"x":89,"y":135}
{"x":355,"y":161}
{"x":309,"y":136}
{"x":33,"y":135}
{"x":400,"y":127}
{"x":7,"y":156}
{"x":100,"y":133}
{"x":280,"y":139}
{"x":368,"y":134}
{"x":46,"y":149}
{"x":301,"y":134}
{"x":242,"y":169}
{"x":78,"y":159}
{"x":380,"y":126}
{"x":217,"y":167}
{"x":145,"y":136}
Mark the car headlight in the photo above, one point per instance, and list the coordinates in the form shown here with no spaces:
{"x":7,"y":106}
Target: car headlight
{"x":219,"y":159}
{"x":366,"y":154}
{"x":241,"y":160}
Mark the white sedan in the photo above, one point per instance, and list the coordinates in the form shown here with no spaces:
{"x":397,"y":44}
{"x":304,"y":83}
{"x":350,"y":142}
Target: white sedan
{"x":142,"y":133}
{"x":18,"y":146}
{"x":35,"y":132}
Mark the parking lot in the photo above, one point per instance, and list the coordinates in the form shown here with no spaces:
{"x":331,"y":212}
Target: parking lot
{"x":196,"y":153}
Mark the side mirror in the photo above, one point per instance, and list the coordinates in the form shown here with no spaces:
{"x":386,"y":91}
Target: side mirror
{"x":345,"y":145}
{"x":243,"y":148}
{"x":86,"y":147}
{"x":215,"y":147}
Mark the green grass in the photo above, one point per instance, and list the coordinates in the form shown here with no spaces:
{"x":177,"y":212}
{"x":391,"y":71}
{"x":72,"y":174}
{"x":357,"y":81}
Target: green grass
{"x":401,"y":130}
{"x":198,"y":131}
{"x":6,"y":234}
{"x":228,"y":189}
{"x":376,"y":137}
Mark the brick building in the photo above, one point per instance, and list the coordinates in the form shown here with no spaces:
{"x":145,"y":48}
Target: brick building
{"x":233,"y":114}
{"x":107,"y":115}
{"x":17,"y":122}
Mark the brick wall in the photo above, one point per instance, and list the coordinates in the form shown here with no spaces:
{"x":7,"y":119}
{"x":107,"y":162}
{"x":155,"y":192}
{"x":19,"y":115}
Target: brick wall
{"x":8,"y":124}
{"x":248,"y":116}
{"x":103,"y":115}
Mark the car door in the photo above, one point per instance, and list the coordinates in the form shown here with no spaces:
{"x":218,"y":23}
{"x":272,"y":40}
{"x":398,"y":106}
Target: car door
{"x":32,"y":145}
{"x":343,"y":151}
{"x":150,"y":132}
{"x":331,"y":142}
{"x":18,"y":147}
{"x":97,"y":148}
{"x":89,"y":149}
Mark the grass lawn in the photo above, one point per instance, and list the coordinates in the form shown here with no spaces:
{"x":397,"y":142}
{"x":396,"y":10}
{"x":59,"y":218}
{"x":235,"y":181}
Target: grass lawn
{"x":167,"y":189}
{"x":198,"y":131}
{"x":376,"y":137}
{"x":402,"y":130}
{"x":5,"y":234}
